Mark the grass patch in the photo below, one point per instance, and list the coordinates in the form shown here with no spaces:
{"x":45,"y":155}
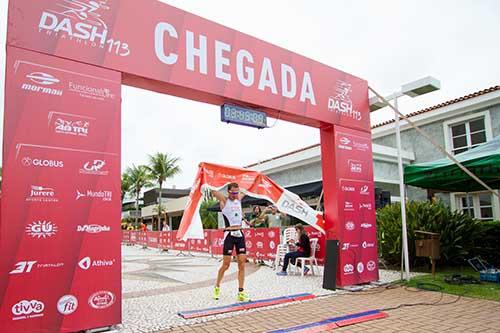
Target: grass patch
{"x":485,"y":290}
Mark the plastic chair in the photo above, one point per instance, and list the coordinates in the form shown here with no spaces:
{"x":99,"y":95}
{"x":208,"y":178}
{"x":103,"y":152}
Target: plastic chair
{"x":289,"y":234}
{"x":312,"y":259}
{"x":281,"y":251}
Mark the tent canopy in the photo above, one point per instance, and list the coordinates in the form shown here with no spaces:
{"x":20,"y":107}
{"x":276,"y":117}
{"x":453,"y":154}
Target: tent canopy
{"x":444,"y":175}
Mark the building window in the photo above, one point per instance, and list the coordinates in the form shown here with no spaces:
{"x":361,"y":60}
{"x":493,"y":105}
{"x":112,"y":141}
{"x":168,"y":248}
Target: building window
{"x":467,"y":135}
{"x":478,"y":205}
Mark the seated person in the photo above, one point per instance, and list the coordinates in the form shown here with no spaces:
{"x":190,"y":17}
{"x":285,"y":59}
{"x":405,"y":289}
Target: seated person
{"x":303,"y":250}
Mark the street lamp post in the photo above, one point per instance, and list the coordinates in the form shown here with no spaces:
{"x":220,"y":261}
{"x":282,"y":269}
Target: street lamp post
{"x":412,"y":89}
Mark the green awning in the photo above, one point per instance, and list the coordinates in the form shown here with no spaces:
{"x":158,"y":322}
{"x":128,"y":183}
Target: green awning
{"x":444,"y":175}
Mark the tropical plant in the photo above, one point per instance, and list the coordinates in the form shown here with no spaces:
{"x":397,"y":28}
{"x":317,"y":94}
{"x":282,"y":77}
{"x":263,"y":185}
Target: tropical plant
{"x":208,"y":218}
{"x":161,"y":167}
{"x":139,"y":178}
{"x":126,"y":185}
{"x":457,"y":230}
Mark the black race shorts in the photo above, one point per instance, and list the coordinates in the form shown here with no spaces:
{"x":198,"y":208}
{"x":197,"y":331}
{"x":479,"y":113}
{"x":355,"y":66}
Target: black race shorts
{"x":231,"y":242}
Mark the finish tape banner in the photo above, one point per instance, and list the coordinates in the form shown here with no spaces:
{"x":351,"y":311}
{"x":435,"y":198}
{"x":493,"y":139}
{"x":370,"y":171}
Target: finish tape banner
{"x":60,"y":210}
{"x":252,"y":183}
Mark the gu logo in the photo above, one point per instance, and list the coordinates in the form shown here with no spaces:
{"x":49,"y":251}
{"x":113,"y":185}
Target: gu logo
{"x":41,"y":229}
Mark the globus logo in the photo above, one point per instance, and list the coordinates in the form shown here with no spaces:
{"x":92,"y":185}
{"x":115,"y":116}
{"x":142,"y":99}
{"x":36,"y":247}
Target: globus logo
{"x":37,"y":162}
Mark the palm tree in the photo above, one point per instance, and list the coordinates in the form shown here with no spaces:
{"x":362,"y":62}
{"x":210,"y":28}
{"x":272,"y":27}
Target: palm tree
{"x":208,"y":219}
{"x":139,"y":177}
{"x":161,"y":167}
{"x":126,"y":185}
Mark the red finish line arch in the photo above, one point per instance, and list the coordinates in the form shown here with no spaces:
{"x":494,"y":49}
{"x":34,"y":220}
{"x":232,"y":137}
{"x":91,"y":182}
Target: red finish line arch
{"x":66,"y":61}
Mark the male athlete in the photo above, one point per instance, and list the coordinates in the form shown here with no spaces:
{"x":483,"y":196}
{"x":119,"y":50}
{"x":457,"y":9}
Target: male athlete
{"x":233,"y":237}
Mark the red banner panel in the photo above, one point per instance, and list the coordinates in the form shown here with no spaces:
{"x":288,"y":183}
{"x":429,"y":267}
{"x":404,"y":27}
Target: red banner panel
{"x":265,"y":241}
{"x":153,"y":239}
{"x":177,"y":244}
{"x":217,"y":241}
{"x":126,"y":237}
{"x":165,"y":239}
{"x":190,"y":57}
{"x":134,"y":237}
{"x":201,"y":245}
{"x":320,"y":251}
{"x":61,"y":196}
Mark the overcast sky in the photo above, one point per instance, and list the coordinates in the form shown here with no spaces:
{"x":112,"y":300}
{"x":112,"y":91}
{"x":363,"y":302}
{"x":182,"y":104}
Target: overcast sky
{"x":388,"y":43}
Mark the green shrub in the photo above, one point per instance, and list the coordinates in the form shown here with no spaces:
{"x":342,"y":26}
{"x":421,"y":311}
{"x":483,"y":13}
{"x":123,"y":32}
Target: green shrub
{"x":457,"y":231}
{"x":488,"y":242}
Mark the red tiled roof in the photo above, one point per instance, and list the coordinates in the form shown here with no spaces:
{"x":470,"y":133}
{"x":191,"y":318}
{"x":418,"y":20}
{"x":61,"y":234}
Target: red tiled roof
{"x":438,"y":106}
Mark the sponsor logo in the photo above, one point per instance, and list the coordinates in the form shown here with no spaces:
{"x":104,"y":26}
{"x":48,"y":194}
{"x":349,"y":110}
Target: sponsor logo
{"x":364,"y":190}
{"x":93,"y":228}
{"x":361,"y":146}
{"x":40,"y":83}
{"x":348,"y":206}
{"x":103,"y":195}
{"x":348,"y":269}
{"x":366,"y":225}
{"x":27,"y":309}
{"x":67,"y":304}
{"x":41,"y":194}
{"x":265,"y":184}
{"x":27,"y":266}
{"x":345,"y":246}
{"x":348,"y":188}
{"x":355,"y":166}
{"x":81,"y":21}
{"x":260,"y":245}
{"x":41,"y":229}
{"x":41,"y":163}
{"x":226,"y":176}
{"x":86,"y":263}
{"x":370,"y":265}
{"x":341,"y":103}
{"x":248,"y":244}
{"x":70,"y":127}
{"x":86,"y":91}
{"x":349,"y":225}
{"x":259,"y":234}
{"x":365,"y":206}
{"x":293,"y":206}
{"x":271,"y":234}
{"x":366,"y":245}
{"x":94,"y":168}
{"x":102,"y":299}
{"x":272,"y":245}
{"x":360,"y":267}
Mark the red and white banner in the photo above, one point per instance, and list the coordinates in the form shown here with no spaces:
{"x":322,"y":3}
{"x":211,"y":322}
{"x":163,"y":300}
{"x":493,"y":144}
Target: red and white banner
{"x":182,"y":54}
{"x":252,"y":183}
{"x":60,"y":233}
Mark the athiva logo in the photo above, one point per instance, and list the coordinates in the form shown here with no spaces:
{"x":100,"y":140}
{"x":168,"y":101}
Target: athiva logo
{"x":41,"y":194}
{"x":341,"y":103}
{"x":41,"y":229}
{"x":27,"y":309}
{"x":81,"y":21}
{"x":94,"y":168}
{"x":89,"y":194}
{"x":41,"y":82}
{"x":87,"y":263}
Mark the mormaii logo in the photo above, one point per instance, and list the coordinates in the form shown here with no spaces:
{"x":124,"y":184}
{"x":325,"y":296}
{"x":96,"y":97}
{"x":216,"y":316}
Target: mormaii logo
{"x":40,"y":83}
{"x":341,"y":103}
{"x":103,"y":195}
{"x":67,"y":304}
{"x":348,"y":269}
{"x":27,"y":309}
{"x":345,"y":143}
{"x":87,"y":263}
{"x":366,"y":225}
{"x":94,"y":168}
{"x":93,"y":228}
{"x":86,"y":91}
{"x":360,"y":267}
{"x":41,"y":194}
{"x":102,"y":299}
{"x":41,"y":229}
{"x":370,"y":265}
{"x":364,"y":190}
{"x":349,"y":225}
{"x":41,"y":163}
{"x":81,"y":22}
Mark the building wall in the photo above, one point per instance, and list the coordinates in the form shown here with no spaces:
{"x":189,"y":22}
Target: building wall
{"x":300,"y":175}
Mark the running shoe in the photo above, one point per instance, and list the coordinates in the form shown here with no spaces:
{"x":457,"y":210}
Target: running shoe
{"x":216,"y":293}
{"x":242,"y":297}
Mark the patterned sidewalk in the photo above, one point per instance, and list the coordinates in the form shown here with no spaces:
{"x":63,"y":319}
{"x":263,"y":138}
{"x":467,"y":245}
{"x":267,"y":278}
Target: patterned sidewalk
{"x":455,"y":314}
